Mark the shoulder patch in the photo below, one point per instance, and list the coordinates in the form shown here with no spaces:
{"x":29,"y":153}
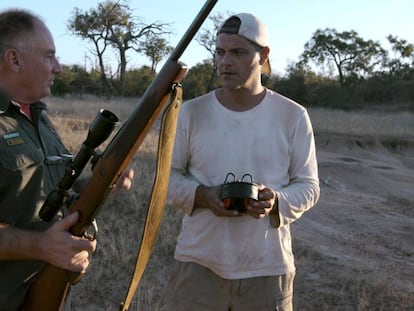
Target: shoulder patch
{"x":13,"y":139}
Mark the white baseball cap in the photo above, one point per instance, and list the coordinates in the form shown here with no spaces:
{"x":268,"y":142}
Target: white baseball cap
{"x":251,"y":28}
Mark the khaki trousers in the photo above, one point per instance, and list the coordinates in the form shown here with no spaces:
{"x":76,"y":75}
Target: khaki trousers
{"x":194,"y":287}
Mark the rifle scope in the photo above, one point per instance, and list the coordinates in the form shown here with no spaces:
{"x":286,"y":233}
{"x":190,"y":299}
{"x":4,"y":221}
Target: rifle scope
{"x":99,"y":130}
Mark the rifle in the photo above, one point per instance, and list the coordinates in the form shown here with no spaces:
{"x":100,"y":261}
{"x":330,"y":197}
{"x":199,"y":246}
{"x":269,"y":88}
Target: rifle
{"x":52,"y":283}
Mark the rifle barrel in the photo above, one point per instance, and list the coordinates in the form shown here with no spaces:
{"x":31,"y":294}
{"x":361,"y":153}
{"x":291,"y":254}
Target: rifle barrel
{"x":192,"y":30}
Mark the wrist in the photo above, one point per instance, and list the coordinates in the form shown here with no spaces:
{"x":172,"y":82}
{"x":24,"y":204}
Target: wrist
{"x":274,"y":214}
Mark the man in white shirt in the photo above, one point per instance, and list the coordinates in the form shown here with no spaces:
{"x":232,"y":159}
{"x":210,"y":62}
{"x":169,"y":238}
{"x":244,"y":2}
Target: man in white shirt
{"x":240,"y":259}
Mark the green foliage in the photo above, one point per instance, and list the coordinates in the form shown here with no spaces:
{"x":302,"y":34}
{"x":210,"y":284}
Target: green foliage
{"x":61,"y":85}
{"x":156,"y":48}
{"x":385,"y":90}
{"x":76,"y":80}
{"x":400,"y":64}
{"x":336,"y":69}
{"x":352,"y":56}
{"x":137,"y":81}
{"x":111,"y":27}
{"x":199,"y":80}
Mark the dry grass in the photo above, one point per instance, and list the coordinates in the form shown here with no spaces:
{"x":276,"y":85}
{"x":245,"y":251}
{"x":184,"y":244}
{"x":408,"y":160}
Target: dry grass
{"x":371,"y":123}
{"x":74,"y":115}
{"x":122,"y":218}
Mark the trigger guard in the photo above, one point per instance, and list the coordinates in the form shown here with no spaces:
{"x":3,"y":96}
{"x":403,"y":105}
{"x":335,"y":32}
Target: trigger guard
{"x":91,"y":236}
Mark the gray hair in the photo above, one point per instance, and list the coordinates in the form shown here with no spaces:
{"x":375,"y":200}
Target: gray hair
{"x":16,"y":25}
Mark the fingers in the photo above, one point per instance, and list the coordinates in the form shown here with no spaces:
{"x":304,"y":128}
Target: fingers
{"x":209,"y":198}
{"x":130,"y":174}
{"x":125,"y":181}
{"x":84,"y":244}
{"x":266,"y":195}
{"x":79,"y":262}
{"x":221,"y":209}
{"x":65,"y":250}
{"x":261,"y":207}
{"x":127,"y":178}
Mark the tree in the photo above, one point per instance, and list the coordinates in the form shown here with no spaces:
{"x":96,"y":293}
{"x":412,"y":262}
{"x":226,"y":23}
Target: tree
{"x":61,"y":85}
{"x":138,"y":80}
{"x":75,"y":79}
{"x":155,"y":48}
{"x":198,"y":80}
{"x":352,"y":56}
{"x":207,"y":36}
{"x":112,"y":25}
{"x":403,"y":59}
{"x":207,"y":39}
{"x":89,"y":26}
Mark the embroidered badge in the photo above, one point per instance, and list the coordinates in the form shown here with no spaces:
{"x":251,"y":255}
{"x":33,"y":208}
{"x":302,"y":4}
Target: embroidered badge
{"x":13,"y":139}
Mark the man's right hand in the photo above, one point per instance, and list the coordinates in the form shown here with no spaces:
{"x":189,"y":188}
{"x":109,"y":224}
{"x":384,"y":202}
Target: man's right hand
{"x":209,"y":197}
{"x":60,"y":248}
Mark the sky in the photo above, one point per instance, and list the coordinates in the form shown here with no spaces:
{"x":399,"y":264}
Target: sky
{"x":291,"y":23}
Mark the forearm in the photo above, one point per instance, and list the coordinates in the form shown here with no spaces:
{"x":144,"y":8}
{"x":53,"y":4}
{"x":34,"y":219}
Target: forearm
{"x":55,"y":245}
{"x":296,"y":199}
{"x":303,"y":191}
{"x":19,"y":244}
{"x":182,"y":189}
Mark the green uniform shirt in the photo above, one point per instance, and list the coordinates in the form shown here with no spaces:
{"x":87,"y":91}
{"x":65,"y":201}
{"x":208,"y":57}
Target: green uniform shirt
{"x":29,"y":170}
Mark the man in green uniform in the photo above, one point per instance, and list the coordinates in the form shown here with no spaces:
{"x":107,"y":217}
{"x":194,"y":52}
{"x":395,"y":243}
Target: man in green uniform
{"x":31,"y":162}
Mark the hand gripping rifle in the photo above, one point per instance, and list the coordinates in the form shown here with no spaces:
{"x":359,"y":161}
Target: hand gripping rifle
{"x":51,"y":285}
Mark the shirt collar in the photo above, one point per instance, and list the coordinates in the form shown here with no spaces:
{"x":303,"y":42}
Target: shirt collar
{"x":5,"y":102}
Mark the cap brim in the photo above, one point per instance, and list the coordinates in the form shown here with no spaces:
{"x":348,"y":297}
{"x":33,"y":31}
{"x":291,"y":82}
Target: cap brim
{"x":266,"y":68}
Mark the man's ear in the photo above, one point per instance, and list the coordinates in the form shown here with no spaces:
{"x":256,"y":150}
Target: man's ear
{"x":12,"y":59}
{"x":264,"y":55}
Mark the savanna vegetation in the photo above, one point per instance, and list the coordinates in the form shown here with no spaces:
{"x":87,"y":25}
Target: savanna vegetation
{"x":335,"y":69}
{"x":322,"y":283}
{"x":373,"y":88}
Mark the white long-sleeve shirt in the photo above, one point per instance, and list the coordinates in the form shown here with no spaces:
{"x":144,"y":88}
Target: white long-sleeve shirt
{"x":274,"y":143}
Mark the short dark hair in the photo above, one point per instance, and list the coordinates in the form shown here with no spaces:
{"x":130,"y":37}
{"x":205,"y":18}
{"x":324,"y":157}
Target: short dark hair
{"x":14,"y":24}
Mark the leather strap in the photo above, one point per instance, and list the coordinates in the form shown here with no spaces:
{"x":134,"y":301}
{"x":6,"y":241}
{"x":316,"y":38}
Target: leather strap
{"x":159,"y":191}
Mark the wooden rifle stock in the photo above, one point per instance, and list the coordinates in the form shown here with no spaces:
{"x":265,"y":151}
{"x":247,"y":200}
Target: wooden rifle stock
{"x":50,"y":287}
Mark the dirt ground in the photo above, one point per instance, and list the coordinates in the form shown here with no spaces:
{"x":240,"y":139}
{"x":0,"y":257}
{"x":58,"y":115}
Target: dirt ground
{"x":355,"y":249}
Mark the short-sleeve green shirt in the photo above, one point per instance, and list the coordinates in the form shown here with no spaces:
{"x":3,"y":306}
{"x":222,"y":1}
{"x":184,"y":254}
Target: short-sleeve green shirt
{"x":27,"y":175}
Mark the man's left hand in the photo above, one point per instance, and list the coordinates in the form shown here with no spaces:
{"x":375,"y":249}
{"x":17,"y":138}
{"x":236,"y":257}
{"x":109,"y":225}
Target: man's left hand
{"x":264,"y":205}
